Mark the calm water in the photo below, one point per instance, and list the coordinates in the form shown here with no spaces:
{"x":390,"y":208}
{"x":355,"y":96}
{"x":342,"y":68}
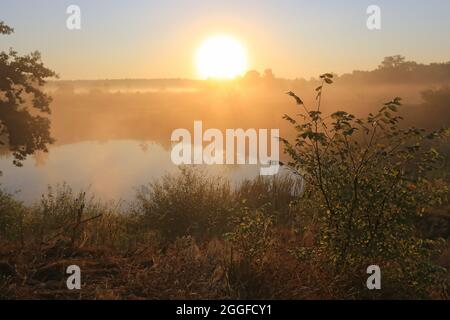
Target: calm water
{"x":110,"y":170}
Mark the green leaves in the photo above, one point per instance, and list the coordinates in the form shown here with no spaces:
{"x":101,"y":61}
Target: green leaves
{"x":367,"y":185}
{"x":349,"y":132}
{"x":315,"y":115}
{"x":27,"y":130}
{"x":393,"y":108}
{"x":392,"y":105}
{"x":297,"y":99}
{"x":327,"y":78}
{"x":342,"y":116}
{"x":314,"y":136}
{"x":288,"y":118}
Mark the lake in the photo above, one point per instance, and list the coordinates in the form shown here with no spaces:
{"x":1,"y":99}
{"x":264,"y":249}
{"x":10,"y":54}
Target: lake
{"x":111,"y":170}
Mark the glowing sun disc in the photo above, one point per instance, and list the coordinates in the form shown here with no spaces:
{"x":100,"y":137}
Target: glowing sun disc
{"x":221,"y":57}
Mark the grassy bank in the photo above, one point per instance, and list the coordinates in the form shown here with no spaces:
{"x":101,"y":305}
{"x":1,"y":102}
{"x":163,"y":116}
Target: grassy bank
{"x":187,"y":236}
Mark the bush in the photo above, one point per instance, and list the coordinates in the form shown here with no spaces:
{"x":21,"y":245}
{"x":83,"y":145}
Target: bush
{"x":251,"y":235}
{"x":61,"y":214}
{"x":11,"y":217}
{"x":367,"y":184}
{"x":274,"y":193}
{"x":190,"y":203}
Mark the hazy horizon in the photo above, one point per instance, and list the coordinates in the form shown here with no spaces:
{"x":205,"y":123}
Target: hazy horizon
{"x":159,"y":40}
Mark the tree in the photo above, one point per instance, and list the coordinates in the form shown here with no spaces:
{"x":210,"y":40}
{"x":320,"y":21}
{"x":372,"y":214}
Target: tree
{"x":392,"y":62}
{"x":252,"y":77}
{"x":24,"y":107}
{"x":268,"y":75}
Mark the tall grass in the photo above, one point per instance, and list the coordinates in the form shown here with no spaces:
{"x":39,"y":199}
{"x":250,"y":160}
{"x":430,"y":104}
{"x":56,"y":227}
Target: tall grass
{"x":187,"y":235}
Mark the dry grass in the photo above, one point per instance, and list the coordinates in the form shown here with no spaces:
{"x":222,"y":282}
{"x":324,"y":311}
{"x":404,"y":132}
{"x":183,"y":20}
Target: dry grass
{"x":126,"y":256}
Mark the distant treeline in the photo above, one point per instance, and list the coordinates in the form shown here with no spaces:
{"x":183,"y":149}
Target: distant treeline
{"x":396,"y":69}
{"x":392,"y":70}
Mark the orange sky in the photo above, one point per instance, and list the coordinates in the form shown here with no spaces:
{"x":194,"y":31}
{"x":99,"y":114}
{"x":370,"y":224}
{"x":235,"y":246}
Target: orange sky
{"x":155,"y":39}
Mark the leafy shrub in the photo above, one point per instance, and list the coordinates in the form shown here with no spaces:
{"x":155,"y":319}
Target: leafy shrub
{"x":252,"y":233}
{"x":368,"y":183}
{"x":250,"y":240}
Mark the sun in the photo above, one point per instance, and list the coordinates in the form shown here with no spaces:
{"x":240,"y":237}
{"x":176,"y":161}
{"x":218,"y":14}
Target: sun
{"x":221,"y":57}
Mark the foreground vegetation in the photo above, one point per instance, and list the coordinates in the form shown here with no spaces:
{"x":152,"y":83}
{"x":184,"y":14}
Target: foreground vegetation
{"x":189,"y":236}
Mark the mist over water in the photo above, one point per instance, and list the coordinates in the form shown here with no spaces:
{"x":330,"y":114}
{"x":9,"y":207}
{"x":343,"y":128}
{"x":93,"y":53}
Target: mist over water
{"x":110,"y":170}
{"x":114,"y":135}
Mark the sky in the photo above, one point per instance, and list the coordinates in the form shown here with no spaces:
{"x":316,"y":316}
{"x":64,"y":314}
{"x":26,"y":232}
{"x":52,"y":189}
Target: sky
{"x":158,"y":39}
